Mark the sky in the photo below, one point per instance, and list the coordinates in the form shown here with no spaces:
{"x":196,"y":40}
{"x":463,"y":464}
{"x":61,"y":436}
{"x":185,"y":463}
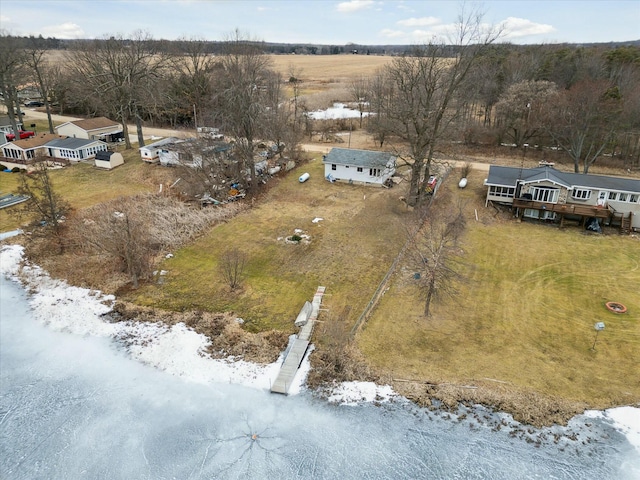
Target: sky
{"x":364,"y":22}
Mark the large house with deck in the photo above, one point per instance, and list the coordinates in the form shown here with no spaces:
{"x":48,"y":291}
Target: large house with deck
{"x":545,"y":193}
{"x":365,"y":167}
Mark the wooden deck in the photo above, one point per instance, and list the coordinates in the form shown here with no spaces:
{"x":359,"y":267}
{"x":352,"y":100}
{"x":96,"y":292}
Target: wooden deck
{"x":296,"y":353}
{"x":565,"y":208}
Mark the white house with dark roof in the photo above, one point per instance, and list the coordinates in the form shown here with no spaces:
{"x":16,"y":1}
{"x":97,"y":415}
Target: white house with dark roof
{"x":99,"y":128}
{"x":74,"y":149}
{"x":5,"y":124}
{"x":27,"y":149}
{"x":359,"y":166}
{"x":548,"y":194}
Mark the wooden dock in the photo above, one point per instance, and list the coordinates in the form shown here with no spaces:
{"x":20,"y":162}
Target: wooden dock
{"x":296,"y":353}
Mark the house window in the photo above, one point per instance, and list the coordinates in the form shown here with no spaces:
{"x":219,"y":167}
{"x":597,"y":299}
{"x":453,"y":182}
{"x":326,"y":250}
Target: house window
{"x":613,"y":195}
{"x":359,"y":169}
{"x":634,"y":198}
{"x":545,"y":194}
{"x":508,"y":192}
{"x":375,"y":172}
{"x":333,"y":166}
{"x":623,"y":197}
{"x":580,"y":194}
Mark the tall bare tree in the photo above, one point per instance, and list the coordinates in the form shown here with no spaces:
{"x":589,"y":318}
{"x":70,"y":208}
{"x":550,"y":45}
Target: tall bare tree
{"x":36,"y":60}
{"x":192,"y":83}
{"x":11,"y":68}
{"x":583,"y":121}
{"x":360,"y":91}
{"x":119,"y":74}
{"x":241,"y":91}
{"x":423,"y":100}
{"x":436,"y":251}
{"x":520,"y":110}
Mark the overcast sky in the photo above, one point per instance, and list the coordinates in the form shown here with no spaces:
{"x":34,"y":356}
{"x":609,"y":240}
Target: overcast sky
{"x":368,"y":22}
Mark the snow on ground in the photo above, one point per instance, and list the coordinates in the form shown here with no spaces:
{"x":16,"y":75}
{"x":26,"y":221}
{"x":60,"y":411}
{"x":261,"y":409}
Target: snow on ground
{"x":181,"y":351}
{"x":339,"y":110}
{"x":353,"y":393}
{"x":625,"y":419}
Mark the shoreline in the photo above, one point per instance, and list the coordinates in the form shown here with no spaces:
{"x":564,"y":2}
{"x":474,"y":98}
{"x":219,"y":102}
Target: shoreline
{"x":151,"y":341}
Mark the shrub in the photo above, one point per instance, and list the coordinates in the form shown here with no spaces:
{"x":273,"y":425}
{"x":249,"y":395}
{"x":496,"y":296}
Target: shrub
{"x":16,"y":170}
{"x":295,"y":238}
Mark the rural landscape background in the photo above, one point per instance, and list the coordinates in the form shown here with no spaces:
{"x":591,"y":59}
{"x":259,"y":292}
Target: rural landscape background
{"x":515,"y":329}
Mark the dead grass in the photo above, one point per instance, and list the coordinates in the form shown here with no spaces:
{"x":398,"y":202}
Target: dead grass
{"x":348,"y":253}
{"x":83,"y":185}
{"x":524,"y":315}
{"x":328,"y":69}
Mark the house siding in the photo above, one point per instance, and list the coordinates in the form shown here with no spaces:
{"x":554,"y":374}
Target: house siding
{"x":621,"y":194}
{"x":358,"y":166}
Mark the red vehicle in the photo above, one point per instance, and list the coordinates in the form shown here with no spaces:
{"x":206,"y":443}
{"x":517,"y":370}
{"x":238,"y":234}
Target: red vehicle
{"x":22,"y":133}
{"x":433,"y":181}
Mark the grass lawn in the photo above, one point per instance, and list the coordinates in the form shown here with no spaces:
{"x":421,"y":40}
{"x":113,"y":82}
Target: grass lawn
{"x":83,"y":185}
{"x":524,"y":314}
{"x":348,"y":253}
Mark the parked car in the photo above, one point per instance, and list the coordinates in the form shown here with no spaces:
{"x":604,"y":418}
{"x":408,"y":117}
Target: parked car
{"x":22,"y":133}
{"x":34,"y":103}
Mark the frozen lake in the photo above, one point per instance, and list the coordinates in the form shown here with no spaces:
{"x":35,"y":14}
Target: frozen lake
{"x":78,"y":406}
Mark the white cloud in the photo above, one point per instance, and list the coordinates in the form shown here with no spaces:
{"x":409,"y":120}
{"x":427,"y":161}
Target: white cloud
{"x":419,"y":22}
{"x":63,"y":31}
{"x":521,"y":27}
{"x":354,"y":5}
{"x":388,"y":33}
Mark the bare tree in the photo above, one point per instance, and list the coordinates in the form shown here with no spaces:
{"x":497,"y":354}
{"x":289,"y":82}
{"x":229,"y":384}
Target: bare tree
{"x":232,"y":264}
{"x":35,"y":59}
{"x":360,"y":92}
{"x":45,"y":204}
{"x":122,"y":230}
{"x":295,"y":82}
{"x":583,"y":121}
{"x":241,"y":91}
{"x":11,"y":68}
{"x":436,"y":250}
{"x":520,"y":110}
{"x":119,"y":74}
{"x":422,"y":102}
{"x":191,"y":79}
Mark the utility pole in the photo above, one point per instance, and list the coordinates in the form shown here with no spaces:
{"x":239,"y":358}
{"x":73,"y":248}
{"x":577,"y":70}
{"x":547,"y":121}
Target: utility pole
{"x":195,"y":118}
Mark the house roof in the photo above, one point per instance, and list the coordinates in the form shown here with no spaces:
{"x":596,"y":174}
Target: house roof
{"x":357,"y":158}
{"x":71,"y":143}
{"x":93,"y":123}
{"x":37,"y":141}
{"x":104,"y":155}
{"x":159,"y":143}
{"x":5,"y":121}
{"x":508,"y":176}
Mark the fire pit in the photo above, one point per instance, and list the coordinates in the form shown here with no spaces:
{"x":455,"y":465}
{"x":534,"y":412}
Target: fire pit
{"x":616,"y":307}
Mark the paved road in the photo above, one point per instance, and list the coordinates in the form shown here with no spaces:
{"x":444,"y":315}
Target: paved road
{"x":150,"y":133}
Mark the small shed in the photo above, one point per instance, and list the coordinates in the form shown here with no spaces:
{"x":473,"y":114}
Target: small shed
{"x":108,"y":160}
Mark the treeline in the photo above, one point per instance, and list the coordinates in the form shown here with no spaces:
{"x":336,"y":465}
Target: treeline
{"x":584,"y":101}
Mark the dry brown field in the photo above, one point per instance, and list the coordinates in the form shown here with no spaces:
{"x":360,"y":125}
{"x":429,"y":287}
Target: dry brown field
{"x":329,"y":68}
